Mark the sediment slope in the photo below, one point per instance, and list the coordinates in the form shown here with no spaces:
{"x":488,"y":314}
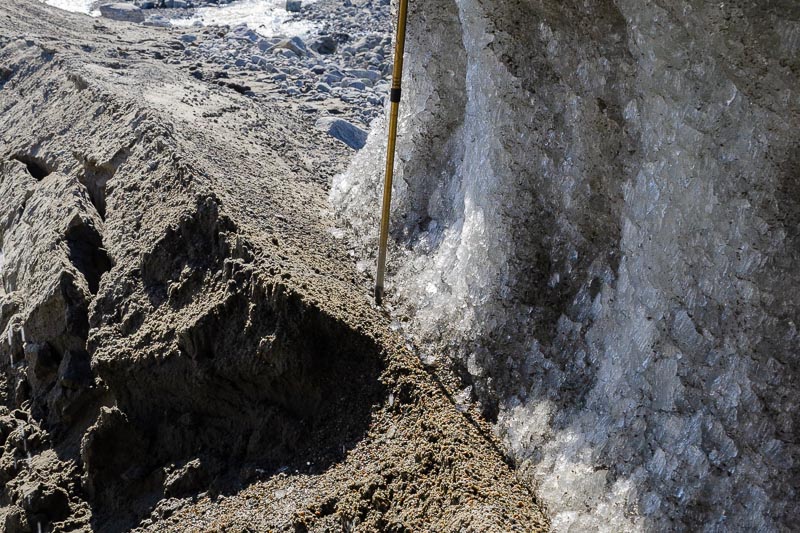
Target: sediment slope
{"x":186,"y":346}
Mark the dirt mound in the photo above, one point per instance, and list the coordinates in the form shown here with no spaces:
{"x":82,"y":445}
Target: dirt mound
{"x":185,"y":345}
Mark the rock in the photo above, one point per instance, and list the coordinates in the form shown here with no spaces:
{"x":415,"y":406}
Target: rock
{"x":351,"y":96}
{"x":348,"y":133}
{"x":323,"y":87}
{"x":295,"y":44}
{"x":264,"y":45}
{"x":242,"y":32}
{"x":353,"y":84}
{"x":332,"y":78}
{"x":123,"y":12}
{"x":188,"y":38}
{"x":371,"y":75}
{"x":294,"y":6}
{"x":368,"y":42}
{"x":324,"y":44}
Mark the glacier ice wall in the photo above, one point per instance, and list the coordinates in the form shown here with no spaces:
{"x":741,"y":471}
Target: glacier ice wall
{"x":597,"y":218}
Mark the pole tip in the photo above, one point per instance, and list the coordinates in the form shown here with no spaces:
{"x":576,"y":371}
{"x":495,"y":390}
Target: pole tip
{"x":378,"y":294}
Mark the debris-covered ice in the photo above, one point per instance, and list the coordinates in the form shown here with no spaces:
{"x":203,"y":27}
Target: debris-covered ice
{"x":596,"y":217}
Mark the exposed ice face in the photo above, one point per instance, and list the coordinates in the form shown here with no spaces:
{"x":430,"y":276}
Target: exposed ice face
{"x":76,"y":6}
{"x":2,"y":264}
{"x":597,"y":217}
{"x":267,"y":17}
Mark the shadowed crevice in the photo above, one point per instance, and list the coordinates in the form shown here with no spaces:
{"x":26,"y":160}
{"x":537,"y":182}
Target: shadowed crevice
{"x":35,"y":165}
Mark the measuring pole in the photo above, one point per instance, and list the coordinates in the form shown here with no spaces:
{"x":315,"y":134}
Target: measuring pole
{"x":394,"y":99}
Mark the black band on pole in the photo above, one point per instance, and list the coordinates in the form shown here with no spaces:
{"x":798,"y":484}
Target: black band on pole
{"x":394,"y":96}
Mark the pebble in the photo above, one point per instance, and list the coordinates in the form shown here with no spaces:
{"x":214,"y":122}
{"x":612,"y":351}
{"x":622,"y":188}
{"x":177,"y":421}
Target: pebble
{"x":348,"y":133}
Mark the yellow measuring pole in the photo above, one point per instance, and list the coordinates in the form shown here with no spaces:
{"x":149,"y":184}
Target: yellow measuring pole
{"x":394,"y":98}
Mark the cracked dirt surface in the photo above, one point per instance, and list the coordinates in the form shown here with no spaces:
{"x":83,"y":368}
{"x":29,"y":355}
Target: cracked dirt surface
{"x":185,"y":345}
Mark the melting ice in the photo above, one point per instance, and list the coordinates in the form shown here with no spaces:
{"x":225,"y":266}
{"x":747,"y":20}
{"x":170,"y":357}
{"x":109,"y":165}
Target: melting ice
{"x":600,"y":230}
{"x":76,"y":6}
{"x":267,"y":17}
